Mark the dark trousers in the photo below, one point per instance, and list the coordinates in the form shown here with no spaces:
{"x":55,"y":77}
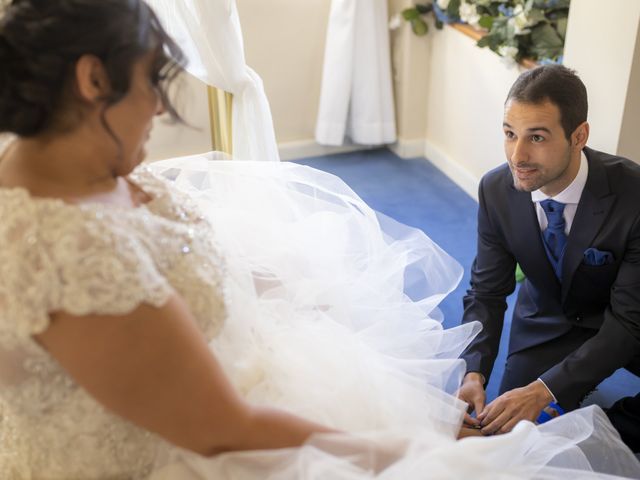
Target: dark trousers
{"x":525,"y":366}
{"x":625,"y":416}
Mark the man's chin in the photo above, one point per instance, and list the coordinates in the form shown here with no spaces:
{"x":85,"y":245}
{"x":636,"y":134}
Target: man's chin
{"x":525,"y":186}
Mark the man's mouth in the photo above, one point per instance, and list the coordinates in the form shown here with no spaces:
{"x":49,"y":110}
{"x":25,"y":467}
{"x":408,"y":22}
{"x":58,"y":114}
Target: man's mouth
{"x":524,"y":172}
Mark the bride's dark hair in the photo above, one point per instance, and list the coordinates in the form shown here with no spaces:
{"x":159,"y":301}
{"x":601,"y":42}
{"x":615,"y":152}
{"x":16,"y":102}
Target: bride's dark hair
{"x":41,"y":40}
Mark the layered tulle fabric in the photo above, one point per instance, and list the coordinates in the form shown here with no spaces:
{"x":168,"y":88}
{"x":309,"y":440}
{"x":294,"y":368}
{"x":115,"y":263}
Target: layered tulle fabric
{"x":333,"y":316}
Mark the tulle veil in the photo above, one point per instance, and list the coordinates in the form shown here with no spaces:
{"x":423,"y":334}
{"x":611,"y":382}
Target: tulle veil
{"x":333,"y":316}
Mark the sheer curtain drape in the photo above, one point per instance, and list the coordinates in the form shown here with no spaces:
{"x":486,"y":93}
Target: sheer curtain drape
{"x":357,"y":96}
{"x":209,"y":33}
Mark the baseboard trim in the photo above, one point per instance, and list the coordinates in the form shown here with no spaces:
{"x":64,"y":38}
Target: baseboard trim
{"x":408,"y":148}
{"x":309,"y":148}
{"x":452,"y":169}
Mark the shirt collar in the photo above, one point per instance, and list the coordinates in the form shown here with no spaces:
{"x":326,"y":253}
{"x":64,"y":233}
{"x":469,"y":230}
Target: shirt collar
{"x":573,"y":192}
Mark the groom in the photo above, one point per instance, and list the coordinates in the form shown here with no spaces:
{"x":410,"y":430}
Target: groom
{"x":570,"y":217}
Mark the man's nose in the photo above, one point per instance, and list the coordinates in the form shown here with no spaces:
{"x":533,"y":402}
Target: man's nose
{"x":519,"y":152}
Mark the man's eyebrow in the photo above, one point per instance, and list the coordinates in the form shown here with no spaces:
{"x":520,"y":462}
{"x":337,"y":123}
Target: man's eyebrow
{"x":538,"y":129}
{"x":532,"y":129}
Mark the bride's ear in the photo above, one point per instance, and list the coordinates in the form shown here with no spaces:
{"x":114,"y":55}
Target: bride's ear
{"x":92,"y":81}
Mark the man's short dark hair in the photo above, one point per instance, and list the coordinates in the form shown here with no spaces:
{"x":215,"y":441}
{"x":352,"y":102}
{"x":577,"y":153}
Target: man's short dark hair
{"x":557,"y":84}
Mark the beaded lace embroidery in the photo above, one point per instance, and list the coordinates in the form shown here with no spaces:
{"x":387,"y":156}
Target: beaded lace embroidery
{"x":89,"y":259}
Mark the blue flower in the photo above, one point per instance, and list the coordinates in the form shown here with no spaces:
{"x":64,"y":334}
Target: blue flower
{"x":549,"y":61}
{"x":507,"y":11}
{"x":442,"y":15}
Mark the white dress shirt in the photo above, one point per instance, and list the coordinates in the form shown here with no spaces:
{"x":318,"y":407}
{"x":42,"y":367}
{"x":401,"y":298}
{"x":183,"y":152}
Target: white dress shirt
{"x":570,"y":196}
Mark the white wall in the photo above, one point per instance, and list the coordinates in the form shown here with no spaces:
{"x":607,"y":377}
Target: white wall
{"x":465,"y":104}
{"x":284,"y":43}
{"x":600,"y":46}
{"x":629,"y":144}
{"x":455,"y":92}
{"x":410,"y":57}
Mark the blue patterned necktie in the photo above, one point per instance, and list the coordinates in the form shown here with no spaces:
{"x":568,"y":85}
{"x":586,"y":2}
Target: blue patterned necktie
{"x":554,"y":237}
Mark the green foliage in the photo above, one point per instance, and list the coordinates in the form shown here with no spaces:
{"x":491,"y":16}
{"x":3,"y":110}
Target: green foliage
{"x":546,"y":42}
{"x":453,"y":8}
{"x":520,"y":276}
{"x":561,"y":27}
{"x":410,"y":14}
{"x":515,"y":29}
{"x":424,"y":9}
{"x":419,"y":27}
{"x":486,"y":22}
{"x":414,"y":17}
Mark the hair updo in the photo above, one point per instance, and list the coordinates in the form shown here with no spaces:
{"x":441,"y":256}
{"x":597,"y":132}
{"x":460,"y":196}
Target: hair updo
{"x":41,"y":40}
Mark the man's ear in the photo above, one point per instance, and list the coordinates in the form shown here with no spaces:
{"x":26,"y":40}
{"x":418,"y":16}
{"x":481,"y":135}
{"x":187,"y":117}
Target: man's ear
{"x":580,"y":136}
{"x":91,"y":77}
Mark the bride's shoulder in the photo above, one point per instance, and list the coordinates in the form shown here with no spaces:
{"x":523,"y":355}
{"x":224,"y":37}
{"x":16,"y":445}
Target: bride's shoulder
{"x":151,"y":181}
{"x":22,"y":213}
{"x":160,"y":186}
{"x":52,"y":228}
{"x":169,"y":200}
{"x":24,"y":217}
{"x":56,"y":256}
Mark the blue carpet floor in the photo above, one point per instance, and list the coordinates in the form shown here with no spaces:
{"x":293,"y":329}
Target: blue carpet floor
{"x":416,"y":193}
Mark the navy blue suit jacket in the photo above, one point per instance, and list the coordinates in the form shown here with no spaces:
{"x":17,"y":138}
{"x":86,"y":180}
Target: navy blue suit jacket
{"x":604,"y":298}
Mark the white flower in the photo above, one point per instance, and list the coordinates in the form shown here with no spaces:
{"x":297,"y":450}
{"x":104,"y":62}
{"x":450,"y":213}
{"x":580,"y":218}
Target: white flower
{"x":508,"y":52}
{"x":395,"y":22}
{"x":519,"y":21}
{"x":443,"y":4}
{"x":469,"y":13}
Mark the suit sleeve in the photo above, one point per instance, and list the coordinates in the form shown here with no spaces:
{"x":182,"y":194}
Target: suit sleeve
{"x":492,"y":280}
{"x":616,"y":343}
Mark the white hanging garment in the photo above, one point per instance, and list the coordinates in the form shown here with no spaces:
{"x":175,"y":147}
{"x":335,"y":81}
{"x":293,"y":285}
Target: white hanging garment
{"x":210,"y":35}
{"x":356,"y":99}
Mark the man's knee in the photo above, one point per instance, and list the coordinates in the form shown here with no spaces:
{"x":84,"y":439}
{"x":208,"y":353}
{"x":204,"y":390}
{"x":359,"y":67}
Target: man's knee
{"x":625,"y":417}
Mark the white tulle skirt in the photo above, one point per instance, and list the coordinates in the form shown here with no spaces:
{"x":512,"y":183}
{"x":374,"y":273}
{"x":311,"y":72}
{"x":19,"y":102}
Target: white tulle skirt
{"x":333,"y":316}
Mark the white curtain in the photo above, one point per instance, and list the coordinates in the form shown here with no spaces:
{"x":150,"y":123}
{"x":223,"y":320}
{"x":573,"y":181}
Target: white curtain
{"x":209,"y":33}
{"x":357,"y":96}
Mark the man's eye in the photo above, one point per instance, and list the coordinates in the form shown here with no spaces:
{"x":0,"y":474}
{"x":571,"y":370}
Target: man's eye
{"x":509,"y":134}
{"x":537,"y":138}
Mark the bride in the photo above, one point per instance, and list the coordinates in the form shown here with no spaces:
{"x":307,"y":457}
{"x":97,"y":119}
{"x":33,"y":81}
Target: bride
{"x":201,"y":320}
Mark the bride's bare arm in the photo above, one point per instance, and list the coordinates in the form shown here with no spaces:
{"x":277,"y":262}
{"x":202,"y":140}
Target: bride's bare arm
{"x":154,"y":368}
{"x":469,"y":432}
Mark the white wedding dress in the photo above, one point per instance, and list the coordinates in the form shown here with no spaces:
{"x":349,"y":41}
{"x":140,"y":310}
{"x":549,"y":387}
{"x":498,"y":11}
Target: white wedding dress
{"x":311,"y":301}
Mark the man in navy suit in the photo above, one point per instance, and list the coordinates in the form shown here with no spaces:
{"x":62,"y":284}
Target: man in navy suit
{"x":570,"y":217}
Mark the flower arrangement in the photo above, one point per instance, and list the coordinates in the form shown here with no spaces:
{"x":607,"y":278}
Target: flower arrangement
{"x":515,"y":29}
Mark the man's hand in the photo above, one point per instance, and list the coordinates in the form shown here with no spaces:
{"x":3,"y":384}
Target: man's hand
{"x":472,"y":392}
{"x":525,"y":403}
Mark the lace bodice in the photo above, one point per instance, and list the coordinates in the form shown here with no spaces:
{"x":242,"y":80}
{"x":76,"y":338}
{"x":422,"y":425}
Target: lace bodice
{"x":89,"y":259}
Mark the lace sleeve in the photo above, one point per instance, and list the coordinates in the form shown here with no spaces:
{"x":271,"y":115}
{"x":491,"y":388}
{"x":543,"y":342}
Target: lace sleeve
{"x":62,"y":258}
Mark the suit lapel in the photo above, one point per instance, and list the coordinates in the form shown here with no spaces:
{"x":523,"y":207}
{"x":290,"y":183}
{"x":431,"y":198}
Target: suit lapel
{"x":593,"y":209}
